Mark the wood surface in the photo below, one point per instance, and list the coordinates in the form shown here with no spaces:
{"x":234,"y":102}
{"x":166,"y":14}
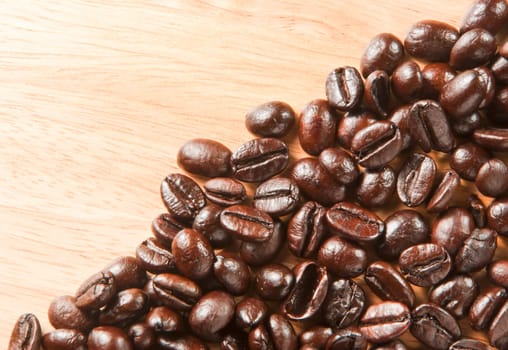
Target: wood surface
{"x":97,"y":96}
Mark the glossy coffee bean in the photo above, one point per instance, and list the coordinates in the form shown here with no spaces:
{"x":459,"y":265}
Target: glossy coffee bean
{"x":108,"y":338}
{"x":204,"y":157}
{"x":351,"y":123}
{"x":376,"y":187}
{"x":270,"y":119}
{"x":64,"y":339}
{"x":467,"y":160}
{"x":498,"y":272}
{"x":250,"y":312}
{"x":315,"y":337}
{"x":455,"y":295}
{"x":429,"y":127}
{"x":377,"y":144}
{"x":385,"y":321}
{"x":476,"y":251}
{"x":154,"y":257}
{"x":259,"y":159}
{"x":234,"y":340}
{"x":182,"y":196}
{"x":142,"y":336}
{"x":497,"y":216}
{"x":383,"y":52}
{"x":277,"y":196}
{"x":377,"y":92}
{"x":179,"y":341}
{"x":469,"y":344}
{"x":339,"y":164}
{"x":431,"y":40}
{"x":486,"y":306}
{"x":488,"y":14}
{"x":316,"y":183}
{"x":498,"y":111}
{"x":452,"y":228}
{"x":407,"y":82}
{"x":474,"y":48}
{"x":277,"y":334}
{"x":492,"y":178}
{"x":225,"y":191}
{"x":462,"y":95}
{"x":163,"y":319}
{"x":344,"y":304}
{"x":274,"y":282}
{"x":344,"y":88}
{"x":434,"y":326}
{"x":478,"y":210}
{"x":499,"y":67}
{"x":347,"y":339}
{"x":63,"y":313}
{"x":308,"y":292}
{"x":425,"y":264}
{"x":317,"y":127}
{"x":193,"y":254}
{"x":26,"y":334}
{"x":393,"y":345}
{"x":498,"y":336}
{"x":416,"y":179}
{"x":495,"y":139}
{"x":306,"y":229}
{"x":165,"y":227}
{"x":175,"y":291}
{"x":96,"y":291}
{"x":443,"y":194}
{"x":488,"y":82}
{"x":354,"y":222}
{"x":388,"y":284}
{"x":257,"y":254}
{"x":207,"y":223}
{"x":232,"y":272}
{"x":435,"y":76}
{"x":125,"y":308}
{"x":127,"y":273}
{"x":400,"y":117}
{"x":342,"y":258}
{"x":467,"y":125}
{"x":246,"y":223}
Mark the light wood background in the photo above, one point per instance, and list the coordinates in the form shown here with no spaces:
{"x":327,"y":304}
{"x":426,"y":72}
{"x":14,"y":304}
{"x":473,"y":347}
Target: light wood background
{"x":97,"y":96}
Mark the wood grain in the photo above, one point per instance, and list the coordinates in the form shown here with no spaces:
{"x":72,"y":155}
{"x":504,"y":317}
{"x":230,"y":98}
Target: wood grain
{"x":97,"y":96}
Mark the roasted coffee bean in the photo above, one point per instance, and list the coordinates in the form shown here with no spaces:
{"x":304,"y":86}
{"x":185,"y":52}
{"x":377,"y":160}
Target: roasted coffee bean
{"x":416,"y":179}
{"x":142,"y":336}
{"x":278,"y":334}
{"x":353,"y":222}
{"x":182,"y":196}
{"x":351,"y":123}
{"x":259,"y":159}
{"x":342,"y":258}
{"x":487,"y":14}
{"x":497,"y":330}
{"x":388,"y":284}
{"x":477,"y":250}
{"x":125,"y":308}
{"x":425,"y":264}
{"x":204,"y":157}
{"x":385,"y":321}
{"x":108,"y":338}
{"x":96,"y":291}
{"x":154,"y":257}
{"x":278,"y":196}
{"x":429,"y":127}
{"x":274,"y":282}
{"x":498,"y":272}
{"x":26,"y":334}
{"x":376,"y":187}
{"x":234,"y":340}
{"x":488,"y":82}
{"x":63,"y":339}
{"x":498,"y":112}
{"x":435,"y":76}
{"x":400,"y":117}
{"x":316,"y":183}
{"x":177,"y":292}
{"x":315,"y":337}
{"x":207,"y":222}
{"x":492,"y":178}
{"x":193,"y":254}
{"x":444,"y":192}
{"x":492,"y":138}
{"x":232,"y":272}
{"x":467,"y":159}
{"x":434,"y":326}
{"x":344,"y":304}
{"x":474,"y":48}
{"x":377,"y":144}
{"x":469,"y":344}
{"x":478,"y":210}
{"x":452,"y":228}
{"x":455,"y":295}
{"x":467,"y":125}
{"x":462,"y":95}
{"x":339,"y":164}
{"x":163,"y":319}
{"x":306,"y":229}
{"x":431,"y":40}
{"x":127,"y":273}
{"x":179,"y":341}
{"x":246,"y":223}
{"x":384,"y":52}
{"x":486,"y":306}
{"x":407,"y":82}
{"x":344,"y":88}
{"x":250,"y":312}
{"x":317,"y":126}
{"x":225,"y":191}
{"x":257,"y":254}
{"x":165,"y":227}
{"x":347,"y":339}
{"x":393,"y":345}
{"x":377,"y":92}
{"x":270,"y":119}
{"x":63,"y":313}
{"x":497,"y":216}
{"x":308,"y":292}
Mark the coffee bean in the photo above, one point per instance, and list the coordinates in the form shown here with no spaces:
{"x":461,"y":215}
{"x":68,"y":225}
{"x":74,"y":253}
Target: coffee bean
{"x":444,"y":192}
{"x":425,"y":264}
{"x":127,"y":273}
{"x":257,"y":254}
{"x":344,"y":88}
{"x":306,"y":229}
{"x":455,"y":295}
{"x":207,"y":222}
{"x":339,"y":164}
{"x":277,"y":334}
{"x":497,"y":330}
{"x":376,"y":187}
{"x":179,"y":341}
{"x":478,"y":210}
{"x":193,"y":254}
{"x":435,"y":76}
{"x":351,"y":123}
{"x":384,"y":52}
{"x":469,"y":344}
{"x":497,"y":216}
{"x":407,"y":82}
{"x":278,"y":196}
{"x":344,"y":304}
{"x":495,"y":139}
{"x":165,"y":227}
{"x":64,"y":339}
{"x":108,"y":338}
{"x":488,"y":14}
{"x":353,"y":222}
{"x":377,"y":92}
{"x":416,"y":179}
{"x":204,"y":157}
{"x":451,"y":229}
{"x":462,"y":95}
{"x":385,"y":321}
{"x":225,"y":191}
{"x":498,"y":272}
{"x":492,"y":178}
{"x":177,"y":292}
{"x":467,"y":125}
{"x":342,"y":258}
{"x":142,"y":336}
{"x":393,"y":345}
{"x":125,"y":308}
{"x":498,"y":111}
{"x":63,"y":313}
{"x":163,"y":319}
{"x":476,"y":251}
{"x":486,"y":306}
{"x":154,"y":257}
{"x":315,"y":337}
{"x":232,"y":272}
{"x":182,"y":196}
{"x":488,"y":82}
{"x":434,"y":326}
{"x":499,"y":67}
{"x":274,"y":282}
{"x":431,"y":40}
{"x":26,"y":334}
{"x":474,"y":48}
{"x":400,"y":117}
{"x":347,"y":339}
{"x":247,"y":224}
{"x":317,"y":127}
{"x":234,"y":340}
{"x":250,"y":312}
{"x":467,"y":160}
{"x":96,"y":291}
{"x":270,"y":119}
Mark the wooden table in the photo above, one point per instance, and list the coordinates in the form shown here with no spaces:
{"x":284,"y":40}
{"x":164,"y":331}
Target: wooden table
{"x":97,"y":96}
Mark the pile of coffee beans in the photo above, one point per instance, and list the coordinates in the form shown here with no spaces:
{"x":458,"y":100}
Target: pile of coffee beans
{"x":270,"y":246}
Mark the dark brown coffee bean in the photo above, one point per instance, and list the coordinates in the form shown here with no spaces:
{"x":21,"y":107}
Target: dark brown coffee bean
{"x":467,"y":160}
{"x":400,"y":117}
{"x":469,"y":344}
{"x":478,"y":210}
{"x":308,"y":292}
{"x":492,"y":178}
{"x":165,"y":227}
{"x":455,"y":295}
{"x":385,"y":321}
{"x":108,"y":338}
{"x":270,"y":119}
{"x":127,"y":273}
{"x":63,"y":313}
{"x":250,"y":312}
{"x":347,"y":339}
{"x":407,"y":82}
{"x":142,"y":336}
{"x":274,"y":282}
{"x":351,"y":123}
{"x":497,"y":216}
{"x":384,"y":52}
{"x":488,"y":82}
{"x":377,"y":144}
{"x":425,"y":264}
{"x":434,"y":327}
{"x":498,"y":112}
{"x":497,"y":330}
{"x":444,"y":192}
{"x":499,"y":68}
{"x":281,"y":334}
{"x":388,"y":284}
{"x":316,"y":183}
{"x":431,"y":40}
{"x":487,"y":14}
{"x":353,"y":222}
{"x":393,"y":345}
{"x":306,"y":230}
{"x":257,"y":254}
{"x":277,"y":196}
{"x":429,"y":127}
{"x":64,"y":339}
{"x":163,"y":319}
{"x":179,"y":341}
{"x":452,"y":228}
{"x":462,"y":95}
{"x":259,"y":159}
{"x":207,"y":222}
{"x":474,"y":48}
{"x":377,"y":92}
{"x":232,"y":272}
{"x":486,"y":306}
{"x":376,"y":187}
{"x":247,"y":224}
{"x":498,"y":272}
{"x":315,"y":337}
{"x":467,"y":125}
{"x":435,"y":76}
{"x":339,"y":164}
{"x":416,"y":179}
{"x":182,"y":196}
{"x":204,"y":157}
{"x":125,"y":308}
{"x":26,"y":334}
{"x":234,"y":340}
{"x":342,"y":258}
{"x":317,"y":127}
{"x":154,"y":257}
{"x":476,"y":251}
{"x":177,"y":292}
{"x":96,"y":291}
{"x":492,"y":138}
{"x":344,"y":88}
{"x":225,"y":191}
{"x":193,"y":254}
{"x":344,"y":304}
